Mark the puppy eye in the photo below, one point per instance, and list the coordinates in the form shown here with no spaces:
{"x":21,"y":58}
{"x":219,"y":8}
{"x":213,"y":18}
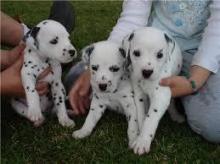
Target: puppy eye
{"x":136,"y":53}
{"x":159,"y":55}
{"x":114,"y":68}
{"x":54,"y":41}
{"x":95,"y":67}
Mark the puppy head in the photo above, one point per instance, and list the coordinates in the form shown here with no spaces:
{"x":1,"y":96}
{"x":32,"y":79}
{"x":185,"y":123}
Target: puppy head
{"x":147,"y":49}
{"x":50,"y":39}
{"x":106,"y":62}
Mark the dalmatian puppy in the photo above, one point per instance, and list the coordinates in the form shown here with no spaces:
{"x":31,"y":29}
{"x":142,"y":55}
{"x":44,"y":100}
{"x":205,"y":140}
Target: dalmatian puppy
{"x":111,"y":87}
{"x":47,"y":44}
{"x":152,"y":55}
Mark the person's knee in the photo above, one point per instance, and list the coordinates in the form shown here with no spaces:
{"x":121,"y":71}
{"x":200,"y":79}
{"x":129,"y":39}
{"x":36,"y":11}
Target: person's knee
{"x":207,"y":126}
{"x":211,"y":132}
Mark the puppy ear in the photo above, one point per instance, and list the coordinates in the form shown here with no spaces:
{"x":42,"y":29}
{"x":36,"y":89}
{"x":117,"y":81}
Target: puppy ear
{"x":34,"y":31}
{"x":126,"y":46}
{"x":170,"y":42}
{"x":86,"y":53}
{"x":122,"y":52}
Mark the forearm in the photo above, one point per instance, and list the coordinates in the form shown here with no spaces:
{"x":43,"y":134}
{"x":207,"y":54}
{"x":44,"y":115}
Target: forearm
{"x":199,"y":75}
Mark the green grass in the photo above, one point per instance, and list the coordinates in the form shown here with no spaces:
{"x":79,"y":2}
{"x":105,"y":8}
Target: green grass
{"x":51,"y":143}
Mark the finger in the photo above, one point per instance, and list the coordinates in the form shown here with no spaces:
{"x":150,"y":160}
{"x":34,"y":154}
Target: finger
{"x":42,"y":92}
{"x":166,"y":82}
{"x":73,"y":103}
{"x":41,"y":85}
{"x":44,"y":73}
{"x":19,"y":63}
{"x":20,"y":48}
{"x":81,"y":105}
{"x":42,"y":88}
{"x":87,"y":103}
{"x":85,"y":89}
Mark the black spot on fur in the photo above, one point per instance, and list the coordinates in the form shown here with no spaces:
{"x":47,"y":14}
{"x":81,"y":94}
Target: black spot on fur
{"x":128,"y":118}
{"x":167,"y":38}
{"x":58,"y":104}
{"x":27,"y":87}
{"x":124,"y":96}
{"x":157,"y":88}
{"x":122,"y":52}
{"x":34,"y":32}
{"x":140,"y":100}
{"x":92,"y":109}
{"x":131,"y":37}
{"x":96,"y":96}
{"x":47,"y":60}
{"x":148,"y":115}
{"x":45,"y":22}
{"x":29,"y":50}
{"x":56,"y":84}
{"x":33,"y":90}
{"x":115,"y":91}
{"x":29,"y":62}
{"x":89,"y":50}
{"x":151,"y":135}
{"x":155,"y":110}
{"x":101,"y":106}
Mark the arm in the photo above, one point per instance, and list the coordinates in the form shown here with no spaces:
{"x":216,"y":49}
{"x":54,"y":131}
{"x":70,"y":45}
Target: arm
{"x":205,"y":61}
{"x":133,"y":16}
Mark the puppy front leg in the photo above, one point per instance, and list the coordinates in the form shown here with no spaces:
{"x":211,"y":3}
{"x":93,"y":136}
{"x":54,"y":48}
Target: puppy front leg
{"x":157,"y":109}
{"x":59,"y":95}
{"x":95,"y":113}
{"x":140,"y":102}
{"x":131,"y":115}
{"x":34,"y":113}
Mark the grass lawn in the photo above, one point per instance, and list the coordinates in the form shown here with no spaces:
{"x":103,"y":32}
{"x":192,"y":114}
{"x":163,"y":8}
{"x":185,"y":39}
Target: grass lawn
{"x":51,"y":143}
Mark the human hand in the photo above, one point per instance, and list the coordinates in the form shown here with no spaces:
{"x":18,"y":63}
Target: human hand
{"x":79,"y":94}
{"x":8,"y":57}
{"x":11,"y":83}
{"x":179,"y":85}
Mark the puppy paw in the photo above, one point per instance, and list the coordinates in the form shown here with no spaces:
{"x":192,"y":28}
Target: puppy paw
{"x":131,"y":139}
{"x":79,"y":134}
{"x":35,"y":115}
{"x":141,"y":146}
{"x":67,"y":122}
{"x":39,"y":122}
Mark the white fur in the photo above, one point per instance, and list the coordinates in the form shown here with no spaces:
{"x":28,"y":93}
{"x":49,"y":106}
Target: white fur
{"x":149,"y":42}
{"x":50,"y":47}
{"x":118,"y":95}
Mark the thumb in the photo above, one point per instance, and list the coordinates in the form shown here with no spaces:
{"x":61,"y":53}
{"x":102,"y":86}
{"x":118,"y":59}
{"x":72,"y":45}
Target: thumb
{"x":18,"y":64}
{"x":166,"y":81}
{"x":85,"y":89}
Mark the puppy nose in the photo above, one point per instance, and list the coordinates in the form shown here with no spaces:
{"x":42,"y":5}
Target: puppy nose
{"x":146,"y":73}
{"x":72,"y":52}
{"x":102,"y":87}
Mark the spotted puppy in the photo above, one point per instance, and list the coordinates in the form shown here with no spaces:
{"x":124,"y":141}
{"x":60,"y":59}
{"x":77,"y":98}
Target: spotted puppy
{"x":152,"y":55}
{"x":47,"y":44}
{"x":111,"y":87}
